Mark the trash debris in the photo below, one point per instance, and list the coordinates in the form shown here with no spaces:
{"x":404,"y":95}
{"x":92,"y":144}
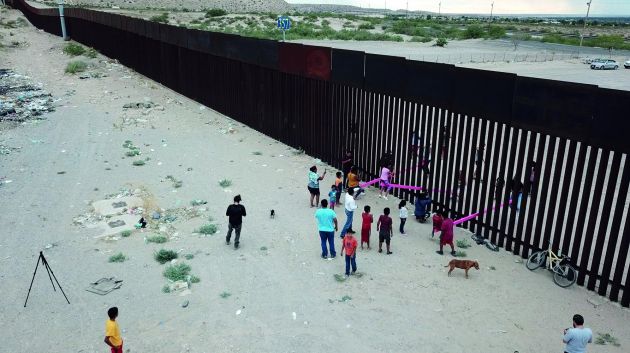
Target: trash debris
{"x":198,"y":202}
{"x":104,"y":285}
{"x":118,"y":223}
{"x":138,"y":105}
{"x":185,"y":304}
{"x":21,"y":100}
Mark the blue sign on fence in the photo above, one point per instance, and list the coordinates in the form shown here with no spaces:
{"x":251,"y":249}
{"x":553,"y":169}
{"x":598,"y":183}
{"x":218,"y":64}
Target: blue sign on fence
{"x":284,"y":23}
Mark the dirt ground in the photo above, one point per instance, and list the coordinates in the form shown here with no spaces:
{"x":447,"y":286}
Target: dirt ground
{"x":282,"y":296}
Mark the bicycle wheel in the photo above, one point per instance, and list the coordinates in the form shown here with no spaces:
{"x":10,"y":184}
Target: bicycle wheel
{"x":536,"y":260}
{"x":492,"y":246}
{"x":564,"y":275}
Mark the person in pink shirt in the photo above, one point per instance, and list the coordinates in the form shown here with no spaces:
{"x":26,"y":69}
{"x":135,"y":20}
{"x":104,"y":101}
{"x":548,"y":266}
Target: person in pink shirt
{"x":446,"y":235}
{"x":386,"y":176}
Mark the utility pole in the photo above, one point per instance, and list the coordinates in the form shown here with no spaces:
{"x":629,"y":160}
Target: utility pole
{"x":588,"y":10}
{"x":491,"y":10}
{"x":63,"y":20}
{"x":407,"y":8}
{"x":440,"y":9}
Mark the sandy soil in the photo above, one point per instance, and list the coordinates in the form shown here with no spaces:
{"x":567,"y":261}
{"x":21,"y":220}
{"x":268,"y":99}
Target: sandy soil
{"x":283,"y":299}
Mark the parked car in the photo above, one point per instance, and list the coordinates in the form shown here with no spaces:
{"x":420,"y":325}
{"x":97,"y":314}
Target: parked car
{"x":627,"y":64}
{"x":592,"y":60}
{"x":605,"y":65}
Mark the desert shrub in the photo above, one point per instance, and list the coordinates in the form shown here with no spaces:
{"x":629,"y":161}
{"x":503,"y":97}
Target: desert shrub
{"x":158,"y":239}
{"x":162,"y":18}
{"x":224,"y":183}
{"x":473,"y":31}
{"x":225,"y":295}
{"x":76,"y":66}
{"x":460,"y":253}
{"x":125,"y":233}
{"x":163,"y":256}
{"x":441,"y":42}
{"x":606,"y":338}
{"x":207,"y":229}
{"x":189,"y":256}
{"x":73,"y":49}
{"x":166,"y":289}
{"x":194,"y":279}
{"x":177,"y":272}
{"x":91,"y":53}
{"x":495,"y":32}
{"x":138,"y":163}
{"x":120,"y":257}
{"x":463,"y":243}
{"x":366,"y":26}
{"x":421,"y":39}
{"x":215,"y":13}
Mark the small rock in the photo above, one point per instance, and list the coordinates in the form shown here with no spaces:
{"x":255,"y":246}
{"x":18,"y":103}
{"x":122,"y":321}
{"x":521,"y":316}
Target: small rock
{"x":185,"y":304}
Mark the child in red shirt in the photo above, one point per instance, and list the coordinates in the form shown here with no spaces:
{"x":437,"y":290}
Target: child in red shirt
{"x":437,"y":223}
{"x":350,"y":247}
{"x":366,"y":226}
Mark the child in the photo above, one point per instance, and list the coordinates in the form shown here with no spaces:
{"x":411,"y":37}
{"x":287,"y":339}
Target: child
{"x":403,"y":213}
{"x":446,"y":236}
{"x":384,"y":227}
{"x":350,"y":247}
{"x":366,"y":226}
{"x":339,"y":185}
{"x":332,"y":195}
{"x":112,"y":332}
{"x":437,"y":223}
{"x":386,"y":175}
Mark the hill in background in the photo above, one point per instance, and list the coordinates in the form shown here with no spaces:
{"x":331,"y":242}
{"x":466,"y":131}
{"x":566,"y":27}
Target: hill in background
{"x":231,"y":6}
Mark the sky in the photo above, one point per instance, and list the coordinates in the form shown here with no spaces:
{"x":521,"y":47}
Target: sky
{"x":598,"y":7}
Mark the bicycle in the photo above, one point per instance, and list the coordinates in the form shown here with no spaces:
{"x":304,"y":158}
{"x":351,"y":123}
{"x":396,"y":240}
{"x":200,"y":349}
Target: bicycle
{"x":564,"y":275}
{"x":481,"y":240}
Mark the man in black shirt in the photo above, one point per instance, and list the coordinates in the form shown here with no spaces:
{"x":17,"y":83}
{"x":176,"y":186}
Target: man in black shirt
{"x":235,"y":212}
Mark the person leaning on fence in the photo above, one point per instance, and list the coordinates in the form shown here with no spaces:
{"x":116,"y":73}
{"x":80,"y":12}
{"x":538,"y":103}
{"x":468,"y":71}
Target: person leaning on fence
{"x":446,"y":235}
{"x":354,"y":182}
{"x":235,"y":212}
{"x":347,"y":161}
{"x":576,"y":338}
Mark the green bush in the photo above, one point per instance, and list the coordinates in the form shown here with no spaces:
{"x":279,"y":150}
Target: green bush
{"x":73,"y":49}
{"x":163,"y":256}
{"x":473,"y":31}
{"x":460,"y":253}
{"x":421,"y":39}
{"x":125,"y":233}
{"x":495,"y":32}
{"x":215,"y":13}
{"x":162,"y":18}
{"x":366,"y":26}
{"x":158,"y":239}
{"x":177,"y":272}
{"x":463,"y":243}
{"x":207,"y":229}
{"x":76,"y":66}
{"x":120,"y":257}
{"x":91,"y":53}
{"x":224,"y":183}
{"x":441,"y":42}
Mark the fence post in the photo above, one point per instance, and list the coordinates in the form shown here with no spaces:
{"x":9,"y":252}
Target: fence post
{"x":64,"y":35}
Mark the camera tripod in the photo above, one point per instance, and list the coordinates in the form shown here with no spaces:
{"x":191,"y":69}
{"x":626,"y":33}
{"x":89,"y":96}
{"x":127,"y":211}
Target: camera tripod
{"x":50,"y":272}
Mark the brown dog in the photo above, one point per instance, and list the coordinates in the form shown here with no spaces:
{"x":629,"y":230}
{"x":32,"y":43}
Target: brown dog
{"x":463,"y":264}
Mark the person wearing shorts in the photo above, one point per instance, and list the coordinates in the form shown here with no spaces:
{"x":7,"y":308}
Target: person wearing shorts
{"x":386,"y":174}
{"x":313,"y":184}
{"x":384,"y":229}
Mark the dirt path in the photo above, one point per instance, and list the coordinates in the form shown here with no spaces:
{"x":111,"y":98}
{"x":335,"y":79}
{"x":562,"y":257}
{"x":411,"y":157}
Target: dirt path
{"x":403,"y":303}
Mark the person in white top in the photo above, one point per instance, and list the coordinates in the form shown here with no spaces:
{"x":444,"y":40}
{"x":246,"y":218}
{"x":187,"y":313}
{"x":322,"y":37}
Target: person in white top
{"x":350,"y":206}
{"x":403,"y":213}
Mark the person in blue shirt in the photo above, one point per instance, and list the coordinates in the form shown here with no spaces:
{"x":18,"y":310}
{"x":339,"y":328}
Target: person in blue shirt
{"x":576,"y":338}
{"x":423,"y":201}
{"x":327,"y":226}
{"x":332,"y":195}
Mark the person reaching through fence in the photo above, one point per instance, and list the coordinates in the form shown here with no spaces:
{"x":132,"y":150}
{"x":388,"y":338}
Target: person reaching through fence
{"x":446,"y":236}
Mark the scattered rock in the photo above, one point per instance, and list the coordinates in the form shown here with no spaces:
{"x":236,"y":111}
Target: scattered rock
{"x":139,"y":105}
{"x":185,"y":304}
{"x":117,"y":223}
{"x":20,"y":99}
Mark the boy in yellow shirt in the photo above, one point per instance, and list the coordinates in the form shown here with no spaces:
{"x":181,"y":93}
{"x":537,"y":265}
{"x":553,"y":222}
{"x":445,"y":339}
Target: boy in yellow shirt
{"x":112,"y":331}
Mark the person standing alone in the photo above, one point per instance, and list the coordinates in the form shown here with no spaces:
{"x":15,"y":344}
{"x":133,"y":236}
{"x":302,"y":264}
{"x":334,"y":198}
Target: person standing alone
{"x":235,"y":212}
{"x":112,"y":332}
{"x":578,"y":337}
{"x":327,"y":225}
